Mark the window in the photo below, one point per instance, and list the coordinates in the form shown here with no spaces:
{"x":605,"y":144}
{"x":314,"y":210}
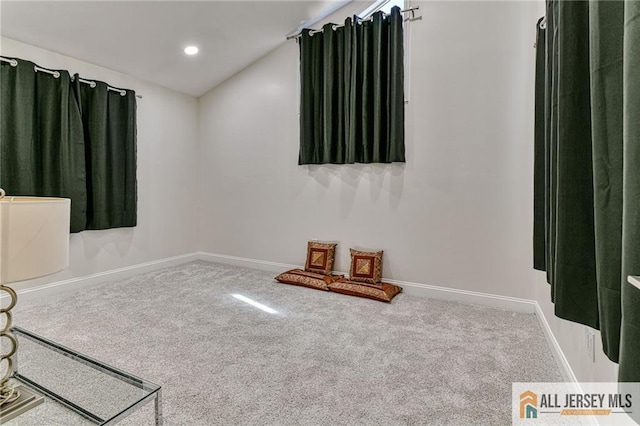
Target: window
{"x":65,"y":139}
{"x":352,"y":87}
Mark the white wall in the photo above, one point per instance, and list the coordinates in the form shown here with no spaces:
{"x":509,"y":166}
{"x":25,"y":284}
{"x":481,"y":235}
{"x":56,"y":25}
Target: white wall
{"x":167,"y":175}
{"x":457,"y":214}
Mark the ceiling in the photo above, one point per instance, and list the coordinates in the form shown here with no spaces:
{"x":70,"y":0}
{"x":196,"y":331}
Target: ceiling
{"x":146,"y":39}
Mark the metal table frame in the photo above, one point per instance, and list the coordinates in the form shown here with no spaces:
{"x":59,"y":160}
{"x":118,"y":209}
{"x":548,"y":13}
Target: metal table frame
{"x":155,"y":391}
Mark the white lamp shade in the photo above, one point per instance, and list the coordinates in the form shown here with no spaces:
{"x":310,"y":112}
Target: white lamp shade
{"x":34,"y":237}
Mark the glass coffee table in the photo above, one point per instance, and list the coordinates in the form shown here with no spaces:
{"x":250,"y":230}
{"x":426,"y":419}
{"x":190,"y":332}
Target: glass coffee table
{"x":84,"y":390}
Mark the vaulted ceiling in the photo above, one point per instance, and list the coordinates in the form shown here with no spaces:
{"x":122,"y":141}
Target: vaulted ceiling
{"x":146,"y":39}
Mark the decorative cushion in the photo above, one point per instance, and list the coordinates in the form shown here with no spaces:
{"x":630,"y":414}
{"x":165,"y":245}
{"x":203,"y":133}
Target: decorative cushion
{"x":382,"y":291}
{"x":307,"y":279}
{"x":366,"y":267}
{"x":320,"y":257}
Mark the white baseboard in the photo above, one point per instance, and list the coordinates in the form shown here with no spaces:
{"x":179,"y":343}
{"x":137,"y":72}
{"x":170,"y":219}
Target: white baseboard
{"x":561,"y":360}
{"x":465,"y":296}
{"x":115,"y":274}
{"x":246,"y":262}
{"x":415,"y":289}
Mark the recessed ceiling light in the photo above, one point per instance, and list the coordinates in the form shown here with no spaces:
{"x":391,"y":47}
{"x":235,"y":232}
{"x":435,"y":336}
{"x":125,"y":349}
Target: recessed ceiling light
{"x":191,"y":50}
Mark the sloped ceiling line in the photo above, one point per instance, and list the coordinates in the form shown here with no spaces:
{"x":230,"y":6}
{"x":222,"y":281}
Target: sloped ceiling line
{"x":145,"y":39}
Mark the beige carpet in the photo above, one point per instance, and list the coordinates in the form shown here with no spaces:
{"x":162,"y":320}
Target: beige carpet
{"x":321,"y":359}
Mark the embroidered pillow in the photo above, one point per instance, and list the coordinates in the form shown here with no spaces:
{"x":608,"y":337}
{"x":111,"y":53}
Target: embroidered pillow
{"x":366,"y":267}
{"x":307,"y":279}
{"x":320,"y":257}
{"x":383,"y":292}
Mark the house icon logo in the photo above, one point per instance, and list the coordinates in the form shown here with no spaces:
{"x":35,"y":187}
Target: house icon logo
{"x":528,"y":405}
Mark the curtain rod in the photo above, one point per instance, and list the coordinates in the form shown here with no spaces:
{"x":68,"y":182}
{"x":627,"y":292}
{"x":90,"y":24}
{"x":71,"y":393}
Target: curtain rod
{"x":93,"y":84}
{"x":11,"y":62}
{"x":411,"y":10}
{"x":56,"y":74}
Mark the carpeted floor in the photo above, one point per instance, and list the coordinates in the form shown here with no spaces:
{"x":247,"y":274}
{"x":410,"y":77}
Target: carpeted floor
{"x":322,"y":359}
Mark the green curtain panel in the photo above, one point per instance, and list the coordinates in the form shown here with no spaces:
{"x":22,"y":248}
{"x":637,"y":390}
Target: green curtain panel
{"x":630,"y":340}
{"x":41,"y":138}
{"x":606,"y":22}
{"x":109,"y":122}
{"x":352,"y":92}
{"x":539,"y":255}
{"x":563,"y":147}
{"x":549,"y":143}
{"x":586,"y":174}
{"x":73,"y":140}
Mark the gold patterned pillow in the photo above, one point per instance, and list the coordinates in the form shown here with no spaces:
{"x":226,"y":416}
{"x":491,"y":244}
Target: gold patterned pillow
{"x":307,"y":279}
{"x":383,"y":292}
{"x":366,"y":267}
{"x":320,"y":257}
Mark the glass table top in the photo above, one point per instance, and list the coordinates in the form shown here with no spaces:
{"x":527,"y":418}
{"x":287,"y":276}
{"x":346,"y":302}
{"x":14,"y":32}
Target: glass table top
{"x":95,"y":392}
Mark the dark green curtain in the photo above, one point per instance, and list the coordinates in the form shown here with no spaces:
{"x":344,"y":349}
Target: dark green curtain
{"x":630,"y":336}
{"x":352,"y":92}
{"x":72,"y":140}
{"x":606,"y":21}
{"x":563,"y":148}
{"x":41,"y":139}
{"x":109,"y":123}
{"x":587,"y":148}
{"x":539,"y":254}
